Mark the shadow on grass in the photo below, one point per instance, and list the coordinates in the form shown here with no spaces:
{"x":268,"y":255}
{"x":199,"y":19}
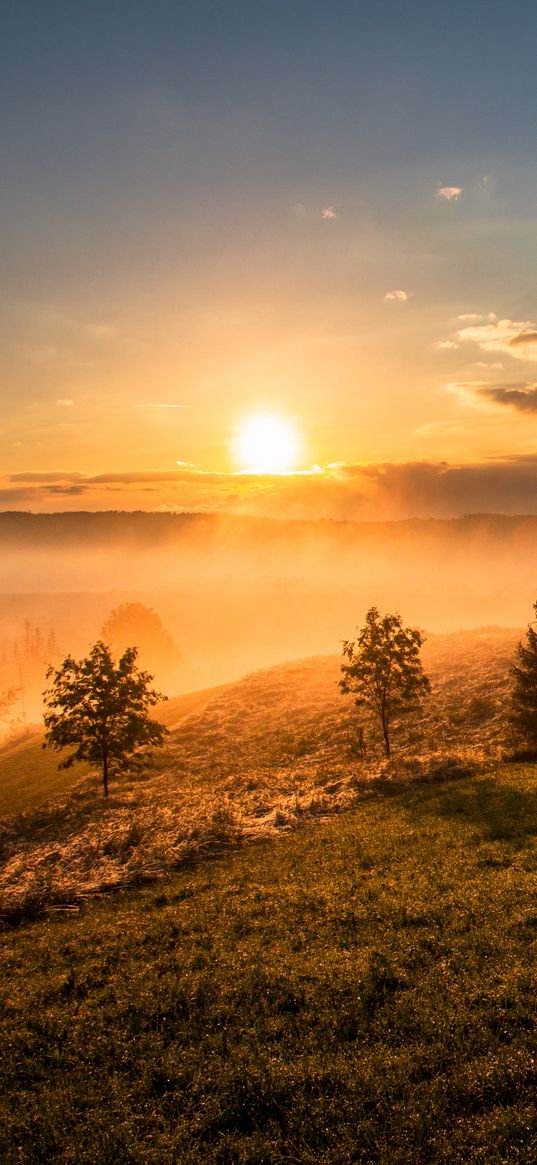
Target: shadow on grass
{"x":499,"y":812}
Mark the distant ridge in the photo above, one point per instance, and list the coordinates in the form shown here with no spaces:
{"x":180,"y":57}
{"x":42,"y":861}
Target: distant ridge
{"x":100,"y":527}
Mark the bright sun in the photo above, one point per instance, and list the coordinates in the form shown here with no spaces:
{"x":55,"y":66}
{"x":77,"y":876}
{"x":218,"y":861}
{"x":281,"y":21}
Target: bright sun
{"x":266,"y":444}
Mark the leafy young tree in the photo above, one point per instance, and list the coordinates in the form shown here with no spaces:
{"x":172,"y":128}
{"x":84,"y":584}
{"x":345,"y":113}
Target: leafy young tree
{"x":102,"y":709}
{"x":384,"y":671}
{"x":523,"y":709}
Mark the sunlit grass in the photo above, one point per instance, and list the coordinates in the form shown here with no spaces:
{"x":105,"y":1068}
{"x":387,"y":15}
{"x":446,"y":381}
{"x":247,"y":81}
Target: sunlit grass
{"x":244,"y":763}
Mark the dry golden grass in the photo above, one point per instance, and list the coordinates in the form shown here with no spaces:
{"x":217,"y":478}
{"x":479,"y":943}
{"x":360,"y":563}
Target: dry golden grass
{"x":248,"y":761}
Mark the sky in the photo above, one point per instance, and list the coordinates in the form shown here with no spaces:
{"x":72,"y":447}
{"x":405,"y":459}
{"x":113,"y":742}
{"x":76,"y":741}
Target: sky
{"x":222,"y":214}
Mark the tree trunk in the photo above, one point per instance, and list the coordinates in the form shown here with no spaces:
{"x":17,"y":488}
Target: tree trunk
{"x":386,"y":736}
{"x":105,"y":770}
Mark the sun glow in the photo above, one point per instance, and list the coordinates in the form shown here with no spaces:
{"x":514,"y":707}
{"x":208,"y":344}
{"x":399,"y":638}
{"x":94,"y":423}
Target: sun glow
{"x":266,"y":444}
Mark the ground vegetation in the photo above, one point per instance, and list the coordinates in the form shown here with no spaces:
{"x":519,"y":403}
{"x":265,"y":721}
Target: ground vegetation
{"x":243,"y":763}
{"x":361,"y":991}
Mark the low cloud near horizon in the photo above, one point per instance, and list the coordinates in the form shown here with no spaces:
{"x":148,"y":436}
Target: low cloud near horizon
{"x":338,"y":492}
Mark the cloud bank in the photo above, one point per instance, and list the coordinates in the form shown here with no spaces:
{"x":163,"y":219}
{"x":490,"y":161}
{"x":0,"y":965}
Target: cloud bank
{"x":339,"y":492}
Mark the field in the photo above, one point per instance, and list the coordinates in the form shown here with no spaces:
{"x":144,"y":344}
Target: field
{"x":360,"y":991}
{"x":244,"y":762}
{"x":310,"y":956}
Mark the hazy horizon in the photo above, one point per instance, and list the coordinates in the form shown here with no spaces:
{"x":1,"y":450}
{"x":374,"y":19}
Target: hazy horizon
{"x":236,"y":594}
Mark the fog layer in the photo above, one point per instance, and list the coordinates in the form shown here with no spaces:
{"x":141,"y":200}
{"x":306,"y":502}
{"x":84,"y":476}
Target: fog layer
{"x":237,"y":594}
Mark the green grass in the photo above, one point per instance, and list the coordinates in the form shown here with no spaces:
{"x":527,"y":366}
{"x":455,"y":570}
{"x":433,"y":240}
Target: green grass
{"x":29,"y":775}
{"x":360,"y":991}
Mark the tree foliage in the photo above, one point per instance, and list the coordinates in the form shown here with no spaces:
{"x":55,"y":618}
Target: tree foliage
{"x":134,"y":623}
{"x":101,"y":708}
{"x":8,"y":696}
{"x":523,"y":709}
{"x":383,"y":671}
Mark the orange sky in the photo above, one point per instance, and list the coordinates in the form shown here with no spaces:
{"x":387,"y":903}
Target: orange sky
{"x":206,"y":220}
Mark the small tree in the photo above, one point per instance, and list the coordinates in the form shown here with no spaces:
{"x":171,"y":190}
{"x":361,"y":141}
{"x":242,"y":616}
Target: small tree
{"x":384,"y":671}
{"x":7,"y":698}
{"x":523,"y":709}
{"x":102,"y":709}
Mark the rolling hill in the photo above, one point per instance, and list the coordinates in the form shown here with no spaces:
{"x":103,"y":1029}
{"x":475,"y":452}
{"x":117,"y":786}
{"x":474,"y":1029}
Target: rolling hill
{"x":360,"y":990}
{"x":243,"y":762}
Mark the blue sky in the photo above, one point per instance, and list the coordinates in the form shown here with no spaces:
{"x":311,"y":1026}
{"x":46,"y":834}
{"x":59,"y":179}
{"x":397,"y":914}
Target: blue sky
{"x":213,"y":206}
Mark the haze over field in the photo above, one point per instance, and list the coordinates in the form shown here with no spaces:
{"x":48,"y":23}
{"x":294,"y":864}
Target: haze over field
{"x":235,"y":594}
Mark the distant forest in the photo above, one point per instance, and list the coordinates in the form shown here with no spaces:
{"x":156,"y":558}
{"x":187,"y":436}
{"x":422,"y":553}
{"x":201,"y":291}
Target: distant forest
{"x":106,"y":527}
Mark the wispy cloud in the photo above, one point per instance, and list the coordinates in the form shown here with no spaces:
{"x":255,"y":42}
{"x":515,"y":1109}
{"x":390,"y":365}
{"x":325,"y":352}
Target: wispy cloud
{"x":449,"y":193}
{"x":522,"y":397}
{"x":54,"y":475}
{"x":328,"y":212}
{"x":516,"y":337}
{"x":524,"y":340}
{"x":160,"y":405}
{"x":65,"y":402}
{"x":518,"y":395}
{"x":467,"y":391}
{"x":396,"y":294}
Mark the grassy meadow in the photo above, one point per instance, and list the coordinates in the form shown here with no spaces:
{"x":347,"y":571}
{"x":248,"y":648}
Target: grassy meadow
{"x":310,"y":956}
{"x":360,"y":991}
{"x":244,"y":762}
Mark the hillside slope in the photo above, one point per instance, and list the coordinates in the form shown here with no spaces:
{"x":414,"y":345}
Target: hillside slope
{"x":29,"y":774}
{"x":247,"y":761}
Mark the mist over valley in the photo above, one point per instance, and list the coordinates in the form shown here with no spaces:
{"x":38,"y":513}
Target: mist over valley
{"x":236,"y":594}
